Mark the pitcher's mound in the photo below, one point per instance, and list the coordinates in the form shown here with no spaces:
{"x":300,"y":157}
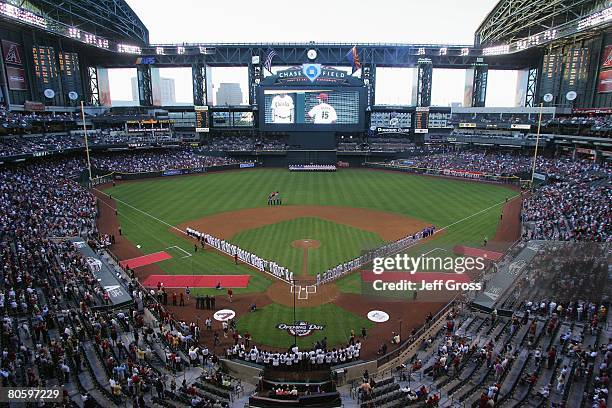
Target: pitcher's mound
{"x":306,"y":243}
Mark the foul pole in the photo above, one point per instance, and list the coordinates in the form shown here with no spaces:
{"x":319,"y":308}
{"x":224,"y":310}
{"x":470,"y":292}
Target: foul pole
{"x":86,"y":141}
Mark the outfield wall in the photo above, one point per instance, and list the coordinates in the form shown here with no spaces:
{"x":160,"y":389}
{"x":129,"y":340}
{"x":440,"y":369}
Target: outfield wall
{"x":492,"y":178}
{"x":102,"y":176}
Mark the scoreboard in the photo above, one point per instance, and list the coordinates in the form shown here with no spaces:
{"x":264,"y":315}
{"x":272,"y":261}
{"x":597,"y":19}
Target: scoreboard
{"x":147,"y":126}
{"x":421,"y":119}
{"x":314,"y":108}
{"x":45,"y":68}
{"x":202,"y":119}
{"x":70,"y":73}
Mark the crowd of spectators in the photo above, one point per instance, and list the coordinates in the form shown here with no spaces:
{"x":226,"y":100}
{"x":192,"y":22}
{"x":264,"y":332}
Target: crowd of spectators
{"x":597,"y":123}
{"x":467,"y":160}
{"x":603,"y":121}
{"x":555,"y":281}
{"x":379,"y":144}
{"x":149,"y":161}
{"x":244,"y":143}
{"x":22,"y":120}
{"x":37,"y":273}
{"x":574,"y":205}
{"x":494,"y":118}
{"x":74,"y":139}
{"x":544,"y":356}
{"x":55,"y":330}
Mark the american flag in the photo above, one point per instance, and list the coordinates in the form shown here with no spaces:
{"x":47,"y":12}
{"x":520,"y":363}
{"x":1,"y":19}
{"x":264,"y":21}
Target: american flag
{"x":269,"y":58}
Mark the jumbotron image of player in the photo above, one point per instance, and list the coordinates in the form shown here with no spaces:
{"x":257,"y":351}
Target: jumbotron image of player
{"x":283,"y":109}
{"x":323,"y":113}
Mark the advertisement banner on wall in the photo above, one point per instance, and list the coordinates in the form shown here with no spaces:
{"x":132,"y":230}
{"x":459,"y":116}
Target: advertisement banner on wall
{"x":604,"y":84}
{"x":605,"y":81}
{"x":16,"y":79}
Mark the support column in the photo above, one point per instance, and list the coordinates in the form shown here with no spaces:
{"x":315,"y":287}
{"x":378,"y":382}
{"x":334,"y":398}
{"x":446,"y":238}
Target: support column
{"x":368,"y":75}
{"x":145,"y":89}
{"x":255,"y":76}
{"x":532,"y":87}
{"x":481,"y":73}
{"x":93,"y":89}
{"x":423,"y":86}
{"x":198,"y":76}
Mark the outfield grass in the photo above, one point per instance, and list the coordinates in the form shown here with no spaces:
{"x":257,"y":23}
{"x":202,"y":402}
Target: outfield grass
{"x":337,"y":321}
{"x":176,"y":200}
{"x":337,"y":243}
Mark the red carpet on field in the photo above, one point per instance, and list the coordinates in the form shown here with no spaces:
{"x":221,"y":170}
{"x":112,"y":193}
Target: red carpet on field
{"x":145,"y":259}
{"x":197,"y":281}
{"x":478,"y":252}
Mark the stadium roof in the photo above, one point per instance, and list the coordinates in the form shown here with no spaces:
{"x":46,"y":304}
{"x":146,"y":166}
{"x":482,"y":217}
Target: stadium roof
{"x":511,"y":20}
{"x":113,"y":19}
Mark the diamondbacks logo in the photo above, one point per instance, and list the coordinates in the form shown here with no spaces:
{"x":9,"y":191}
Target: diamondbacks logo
{"x":12,"y":55}
{"x":300,"y":329}
{"x":516,"y":267}
{"x":114,"y":290}
{"x":95,"y":265}
{"x":79,"y":244}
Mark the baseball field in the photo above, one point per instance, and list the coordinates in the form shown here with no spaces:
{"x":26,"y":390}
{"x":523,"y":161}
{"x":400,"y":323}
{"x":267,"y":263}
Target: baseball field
{"x":324,"y":219}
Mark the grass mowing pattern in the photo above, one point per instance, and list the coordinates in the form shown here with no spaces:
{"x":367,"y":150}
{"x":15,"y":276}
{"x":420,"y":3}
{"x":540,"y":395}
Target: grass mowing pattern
{"x":337,"y":321}
{"x":175,"y":200}
{"x":338,"y":243}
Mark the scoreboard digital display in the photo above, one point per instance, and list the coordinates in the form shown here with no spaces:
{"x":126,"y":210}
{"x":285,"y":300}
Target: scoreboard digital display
{"x":147,"y":126}
{"x":70,"y":72}
{"x":421,"y":120}
{"x":202,"y":119}
{"x":45,"y":67}
{"x":69,"y":63}
{"x":312,"y":108}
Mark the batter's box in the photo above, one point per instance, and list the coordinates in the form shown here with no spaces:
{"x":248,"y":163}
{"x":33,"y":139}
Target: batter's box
{"x":304,"y":291}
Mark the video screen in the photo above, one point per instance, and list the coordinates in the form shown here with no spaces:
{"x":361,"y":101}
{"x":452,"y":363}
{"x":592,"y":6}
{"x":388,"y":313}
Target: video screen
{"x":311,"y":107}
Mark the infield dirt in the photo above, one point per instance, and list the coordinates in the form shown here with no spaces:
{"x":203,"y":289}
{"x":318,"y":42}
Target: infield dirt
{"x":225,"y":225}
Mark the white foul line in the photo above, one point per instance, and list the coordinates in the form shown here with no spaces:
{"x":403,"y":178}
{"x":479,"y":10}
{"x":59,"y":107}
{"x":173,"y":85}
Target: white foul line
{"x":139,"y":210}
{"x":180,"y":249}
{"x":479,"y":212}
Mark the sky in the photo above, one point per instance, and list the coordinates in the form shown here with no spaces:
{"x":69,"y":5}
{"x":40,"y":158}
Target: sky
{"x":383,"y":21}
